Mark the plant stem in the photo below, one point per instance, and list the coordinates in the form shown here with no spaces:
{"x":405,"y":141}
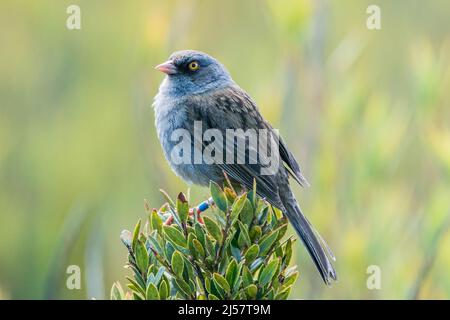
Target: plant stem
{"x":200,"y":275}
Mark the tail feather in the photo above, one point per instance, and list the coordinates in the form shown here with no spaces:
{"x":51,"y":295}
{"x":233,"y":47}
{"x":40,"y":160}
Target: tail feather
{"x":316,"y":246}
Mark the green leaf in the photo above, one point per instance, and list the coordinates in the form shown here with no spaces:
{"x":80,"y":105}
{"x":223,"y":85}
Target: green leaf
{"x":182,"y":207}
{"x":192,"y":285}
{"x":199,"y":233}
{"x":246,"y":215}
{"x":281,"y":231}
{"x":191,"y":247}
{"x":153,"y":244}
{"x":183,"y":287}
{"x":137,"y":296}
{"x":188,"y":273}
{"x":216,"y":289}
{"x":287,"y":252}
{"x":284,"y":294}
{"x":237,"y":206}
{"x":247,"y":278}
{"x":199,"y":248}
{"x":218,"y":196}
{"x":151,"y":293}
{"x":251,"y":253}
{"x":163,"y":290}
{"x":177,"y":263}
{"x":208,"y":283}
{"x":231,"y":275}
{"x":212,"y":297}
{"x":255,"y":233}
{"x":209,"y":246}
{"x":156,"y":221}
{"x":235,"y":251}
{"x":238,"y":282}
{"x":138,"y":277}
{"x":168,"y":198}
{"x":141,"y":257}
{"x":270,"y":215}
{"x":244,"y":238}
{"x":267,"y":242}
{"x":133,"y":288}
{"x":269,"y":294}
{"x":254,"y":193}
{"x":278,"y":213}
{"x":175,"y":235}
{"x":263,"y":215}
{"x":213,"y":229}
{"x":231,"y":196}
{"x":255,"y":265}
{"x":279,"y":251}
{"x":251,"y":291}
{"x":133,"y":285}
{"x":117,"y":292}
{"x":221,"y":282}
{"x":155,"y":279}
{"x":169,"y":250}
{"x":290,"y":279}
{"x":137,"y":228}
{"x":268,"y":272}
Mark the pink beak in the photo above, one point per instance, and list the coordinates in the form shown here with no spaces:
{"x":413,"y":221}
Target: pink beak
{"x":167,"y":67}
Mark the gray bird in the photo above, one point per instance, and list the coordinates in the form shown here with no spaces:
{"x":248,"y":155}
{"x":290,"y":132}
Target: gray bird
{"x":199,"y":88}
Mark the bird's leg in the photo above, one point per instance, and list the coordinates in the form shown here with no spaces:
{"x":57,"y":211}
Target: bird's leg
{"x":197,"y":210}
{"x":192,"y":211}
{"x":169,"y":220}
{"x":202,"y":207}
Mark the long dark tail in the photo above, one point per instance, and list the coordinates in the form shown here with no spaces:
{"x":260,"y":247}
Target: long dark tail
{"x":317,"y":247}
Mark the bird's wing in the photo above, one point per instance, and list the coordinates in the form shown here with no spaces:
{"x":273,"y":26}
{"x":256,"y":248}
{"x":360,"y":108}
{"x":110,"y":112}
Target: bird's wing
{"x":232,"y":108}
{"x":239,"y":102}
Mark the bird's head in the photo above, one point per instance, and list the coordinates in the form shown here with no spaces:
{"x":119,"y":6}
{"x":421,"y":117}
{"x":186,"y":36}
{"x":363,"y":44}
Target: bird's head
{"x":193,"y":72}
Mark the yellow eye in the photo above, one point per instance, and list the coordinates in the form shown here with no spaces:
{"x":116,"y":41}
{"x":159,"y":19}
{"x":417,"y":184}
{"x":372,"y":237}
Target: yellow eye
{"x":194,"y":66}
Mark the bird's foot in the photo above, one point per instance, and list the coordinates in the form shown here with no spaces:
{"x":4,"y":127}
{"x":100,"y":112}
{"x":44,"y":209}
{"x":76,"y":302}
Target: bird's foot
{"x":198,"y":210}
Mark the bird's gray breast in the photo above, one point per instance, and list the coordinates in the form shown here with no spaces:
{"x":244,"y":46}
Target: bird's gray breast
{"x":174,"y":118}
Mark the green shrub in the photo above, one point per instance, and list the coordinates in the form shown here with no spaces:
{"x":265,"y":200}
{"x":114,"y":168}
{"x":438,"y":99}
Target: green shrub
{"x":238,"y":252}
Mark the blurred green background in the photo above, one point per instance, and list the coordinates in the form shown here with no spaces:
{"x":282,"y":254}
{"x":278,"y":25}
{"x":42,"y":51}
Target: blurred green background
{"x":367,"y":114}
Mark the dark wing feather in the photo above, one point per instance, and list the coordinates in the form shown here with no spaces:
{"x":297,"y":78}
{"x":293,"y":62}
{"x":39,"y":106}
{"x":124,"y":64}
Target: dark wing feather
{"x":239,"y":102}
{"x":232,"y":108}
